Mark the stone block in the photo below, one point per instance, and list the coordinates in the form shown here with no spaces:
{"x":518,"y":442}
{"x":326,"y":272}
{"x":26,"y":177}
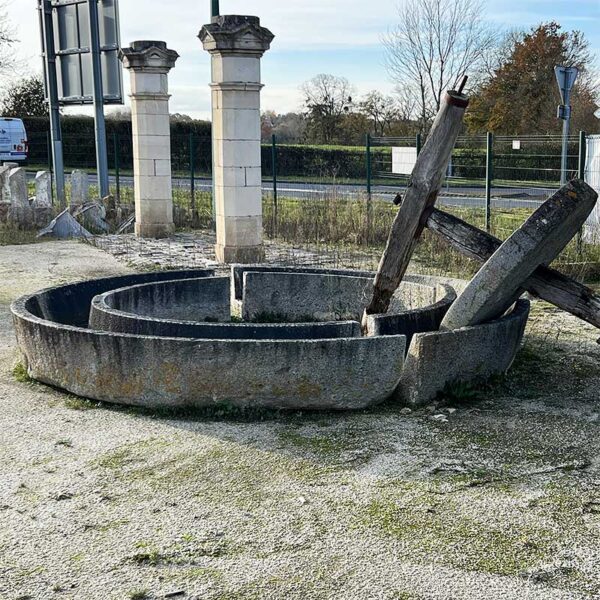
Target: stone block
{"x":240,"y":99}
{"x":469,"y":354}
{"x":238,"y":202}
{"x":4,"y":187}
{"x":239,"y":231}
{"x":17,"y":184}
{"x":232,"y":153}
{"x":151,"y":147}
{"x":143,"y":82}
{"x":80,"y":187}
{"x":236,"y":124}
{"x":227,"y":68}
{"x":145,"y":124}
{"x":43,"y":190}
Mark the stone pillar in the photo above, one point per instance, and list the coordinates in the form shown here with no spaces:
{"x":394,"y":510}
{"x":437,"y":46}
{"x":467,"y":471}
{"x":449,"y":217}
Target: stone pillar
{"x":236,"y":45}
{"x":149,"y":62}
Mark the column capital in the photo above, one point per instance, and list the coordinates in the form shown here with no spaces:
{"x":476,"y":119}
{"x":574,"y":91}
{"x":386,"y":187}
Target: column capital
{"x":148,"y":56}
{"x":236,"y":35}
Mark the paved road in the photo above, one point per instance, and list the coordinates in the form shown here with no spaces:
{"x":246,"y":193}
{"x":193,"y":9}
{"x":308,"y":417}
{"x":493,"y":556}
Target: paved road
{"x":502,"y":197}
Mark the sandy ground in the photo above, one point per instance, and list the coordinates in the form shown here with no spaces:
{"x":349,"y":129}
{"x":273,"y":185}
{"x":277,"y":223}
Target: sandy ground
{"x":501,"y":500}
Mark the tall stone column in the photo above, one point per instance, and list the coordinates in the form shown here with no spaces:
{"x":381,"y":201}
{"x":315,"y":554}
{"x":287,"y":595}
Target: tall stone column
{"x":236,"y":44}
{"x":148,"y":63}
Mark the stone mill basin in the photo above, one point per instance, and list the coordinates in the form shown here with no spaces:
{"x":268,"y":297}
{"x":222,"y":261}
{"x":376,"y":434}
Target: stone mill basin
{"x":278,"y":337}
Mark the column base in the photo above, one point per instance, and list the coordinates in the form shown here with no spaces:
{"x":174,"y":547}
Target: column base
{"x":154,"y":230}
{"x":239,"y":254}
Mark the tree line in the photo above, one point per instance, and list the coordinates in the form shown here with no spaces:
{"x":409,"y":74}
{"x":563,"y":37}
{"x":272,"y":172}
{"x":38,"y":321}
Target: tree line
{"x":512,"y":83}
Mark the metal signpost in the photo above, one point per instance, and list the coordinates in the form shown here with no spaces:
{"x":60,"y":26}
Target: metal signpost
{"x":566,"y":77}
{"x":80,"y":42}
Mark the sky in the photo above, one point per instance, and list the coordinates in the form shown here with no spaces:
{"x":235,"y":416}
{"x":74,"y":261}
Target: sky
{"x":341,"y":37}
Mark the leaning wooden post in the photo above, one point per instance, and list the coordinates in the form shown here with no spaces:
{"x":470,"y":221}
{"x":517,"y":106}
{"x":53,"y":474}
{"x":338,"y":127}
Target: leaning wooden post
{"x":419,"y":200}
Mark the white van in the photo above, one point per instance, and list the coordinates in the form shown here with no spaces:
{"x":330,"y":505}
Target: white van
{"x":13,"y":140}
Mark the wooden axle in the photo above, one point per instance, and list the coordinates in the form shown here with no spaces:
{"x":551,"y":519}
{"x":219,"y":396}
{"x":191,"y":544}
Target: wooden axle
{"x":545,"y":283}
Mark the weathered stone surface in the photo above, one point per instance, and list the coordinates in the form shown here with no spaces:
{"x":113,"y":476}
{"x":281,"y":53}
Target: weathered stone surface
{"x":149,"y":63}
{"x":160,"y":371}
{"x":202,"y":299}
{"x":415,"y":320}
{"x":537,"y":242}
{"x":43,"y":190}
{"x":236,"y":44}
{"x":80,"y":187}
{"x":17,"y":183}
{"x":128,"y":318}
{"x":469,"y":354}
{"x":4,"y":188}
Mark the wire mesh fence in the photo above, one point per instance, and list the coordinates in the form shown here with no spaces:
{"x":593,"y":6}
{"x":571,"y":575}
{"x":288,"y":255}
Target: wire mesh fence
{"x":336,"y":201}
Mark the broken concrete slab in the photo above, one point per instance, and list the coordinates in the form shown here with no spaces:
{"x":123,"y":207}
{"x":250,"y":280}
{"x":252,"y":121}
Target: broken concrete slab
{"x":43,"y":190}
{"x":80,"y":187}
{"x":17,"y":184}
{"x":470,"y":355}
{"x":92,"y":216}
{"x":4,"y":189}
{"x":65,"y":226}
{"x":537,"y":242}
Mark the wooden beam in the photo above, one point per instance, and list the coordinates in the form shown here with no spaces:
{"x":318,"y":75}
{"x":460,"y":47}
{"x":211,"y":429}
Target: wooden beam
{"x":545,"y":283}
{"x":420,"y":197}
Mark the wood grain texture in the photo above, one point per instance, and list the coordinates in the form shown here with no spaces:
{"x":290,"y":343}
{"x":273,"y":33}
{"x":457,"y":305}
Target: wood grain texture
{"x":419,"y":199}
{"x":545,"y":283}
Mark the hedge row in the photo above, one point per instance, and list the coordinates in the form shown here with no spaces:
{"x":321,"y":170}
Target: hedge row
{"x":190,"y":141}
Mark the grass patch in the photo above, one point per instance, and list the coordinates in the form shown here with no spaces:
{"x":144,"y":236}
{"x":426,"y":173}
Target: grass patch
{"x":434,"y":530}
{"x":21,"y":375}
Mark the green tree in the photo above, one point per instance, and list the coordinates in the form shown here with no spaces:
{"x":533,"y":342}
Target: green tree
{"x":25,"y":99}
{"x":521,"y":94}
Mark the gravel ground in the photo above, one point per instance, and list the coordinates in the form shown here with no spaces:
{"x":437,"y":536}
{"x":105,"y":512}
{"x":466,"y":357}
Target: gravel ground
{"x":493,"y":493}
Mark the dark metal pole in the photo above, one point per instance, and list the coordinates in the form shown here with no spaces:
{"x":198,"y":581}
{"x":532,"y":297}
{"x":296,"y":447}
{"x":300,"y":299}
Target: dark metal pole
{"x":101,"y":153}
{"x":581,"y":175}
{"x":488,"y":180}
{"x":368,"y":151}
{"x":192,"y":180}
{"x":274,"y":170}
{"x":418,"y":142}
{"x":117,"y":165}
{"x":582,"y":154}
{"x":45,"y":8}
{"x":214,"y":8}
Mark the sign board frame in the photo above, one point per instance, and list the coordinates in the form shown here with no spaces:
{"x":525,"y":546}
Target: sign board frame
{"x":73,"y":52}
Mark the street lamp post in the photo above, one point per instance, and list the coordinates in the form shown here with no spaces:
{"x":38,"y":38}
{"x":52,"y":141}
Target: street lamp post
{"x":214,"y":8}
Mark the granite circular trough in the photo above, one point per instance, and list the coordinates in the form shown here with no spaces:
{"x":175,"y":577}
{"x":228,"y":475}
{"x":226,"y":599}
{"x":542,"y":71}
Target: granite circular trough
{"x":164,"y":339}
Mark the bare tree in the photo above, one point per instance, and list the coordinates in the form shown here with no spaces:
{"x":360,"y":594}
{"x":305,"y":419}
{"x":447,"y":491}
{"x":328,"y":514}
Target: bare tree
{"x":7,"y":41}
{"x":381,"y":110}
{"x":434,"y":45}
{"x":327,"y":99}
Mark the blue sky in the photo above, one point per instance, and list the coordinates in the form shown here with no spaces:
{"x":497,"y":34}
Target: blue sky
{"x":342,"y":37}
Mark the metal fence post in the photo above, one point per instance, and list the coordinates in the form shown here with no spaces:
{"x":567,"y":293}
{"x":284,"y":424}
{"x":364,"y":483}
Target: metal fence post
{"x":418,"y":143}
{"x":581,"y":174}
{"x":193,"y":180}
{"x":368,"y":151}
{"x":582,"y":154}
{"x":49,"y":152}
{"x":274,"y":172}
{"x":369,"y":188}
{"x":117,"y":166}
{"x":488,"y":179}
